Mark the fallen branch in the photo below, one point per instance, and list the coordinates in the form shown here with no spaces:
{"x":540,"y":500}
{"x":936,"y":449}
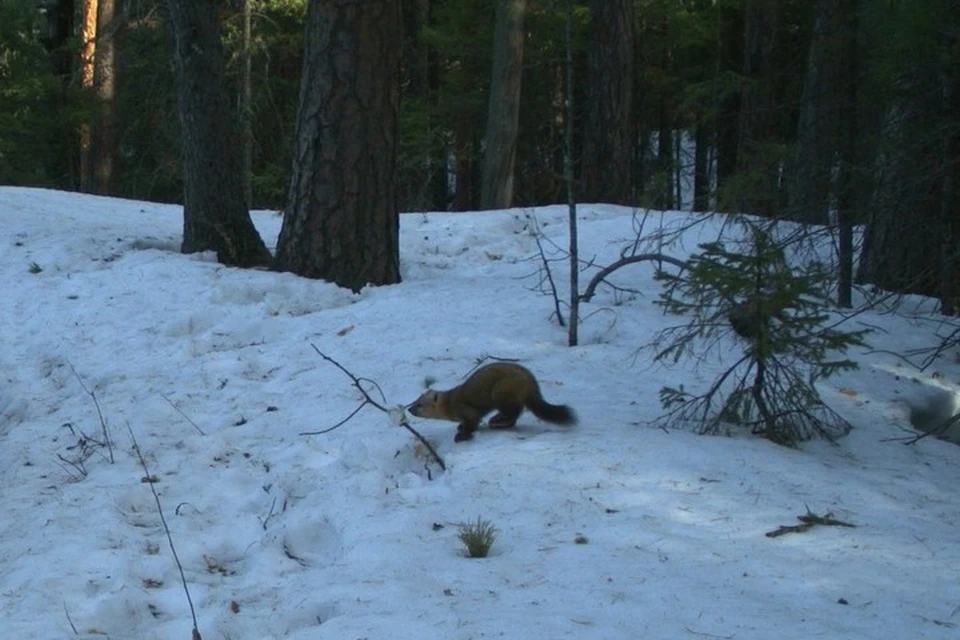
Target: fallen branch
{"x":149,"y":480}
{"x":183,"y":415}
{"x":807,"y":522}
{"x":358,"y":383}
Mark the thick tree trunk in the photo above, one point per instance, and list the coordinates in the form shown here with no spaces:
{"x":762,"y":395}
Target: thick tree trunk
{"x":341,"y":222}
{"x":758,"y":112}
{"x":904,"y":236}
{"x":500,"y":151}
{"x":727,"y":99}
{"x":215,"y":216}
{"x":821,"y":124}
{"x":607,"y":167}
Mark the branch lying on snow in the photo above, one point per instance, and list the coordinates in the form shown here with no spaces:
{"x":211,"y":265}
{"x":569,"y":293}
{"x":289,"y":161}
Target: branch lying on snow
{"x":357,"y":382}
{"x":807,"y":522}
{"x":148,"y":479}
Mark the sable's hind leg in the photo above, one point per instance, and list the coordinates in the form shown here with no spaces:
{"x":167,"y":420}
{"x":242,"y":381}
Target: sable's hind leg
{"x":506,"y":418}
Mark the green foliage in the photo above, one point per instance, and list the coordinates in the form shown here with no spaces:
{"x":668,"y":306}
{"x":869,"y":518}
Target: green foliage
{"x":477,"y":537}
{"x":781,"y":314}
{"x":31,"y":122}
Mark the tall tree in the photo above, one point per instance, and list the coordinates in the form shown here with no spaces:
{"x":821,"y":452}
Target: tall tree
{"x":758,"y":124}
{"x":215,"y":216}
{"x":500,"y":151}
{"x":824,"y":112}
{"x":341,"y":222}
{"x":911,"y":239}
{"x":726,"y":93}
{"x":88,"y":52}
{"x":608,"y":135}
{"x":103,"y":143}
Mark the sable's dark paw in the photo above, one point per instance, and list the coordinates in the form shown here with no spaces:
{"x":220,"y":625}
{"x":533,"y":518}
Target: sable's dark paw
{"x":462,"y":436}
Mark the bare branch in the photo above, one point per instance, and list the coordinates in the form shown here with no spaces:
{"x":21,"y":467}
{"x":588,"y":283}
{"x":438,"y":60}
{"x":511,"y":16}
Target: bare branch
{"x":601,"y":275}
{"x":185,"y":416}
{"x":553,"y":286}
{"x":148,"y":480}
{"x":357,"y":382}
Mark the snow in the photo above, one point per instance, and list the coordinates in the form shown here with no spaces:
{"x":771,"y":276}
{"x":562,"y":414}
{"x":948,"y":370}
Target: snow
{"x":353,"y":533}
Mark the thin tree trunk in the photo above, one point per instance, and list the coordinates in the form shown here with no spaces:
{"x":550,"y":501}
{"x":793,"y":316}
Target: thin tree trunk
{"x":573,"y":328}
{"x":701,"y":167}
{"x":664,"y":162}
{"x":464,"y":161}
{"x":105,"y":80}
{"x":246,"y":107}
{"x":341,"y":222}
{"x":849,"y":71}
{"x":88,"y":52}
{"x":500,"y":151}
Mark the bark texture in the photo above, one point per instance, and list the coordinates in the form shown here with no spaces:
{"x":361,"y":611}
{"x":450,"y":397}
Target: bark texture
{"x":215,"y":216}
{"x":608,"y":137}
{"x":500,"y":151}
{"x":824,"y":112}
{"x":341,"y":222}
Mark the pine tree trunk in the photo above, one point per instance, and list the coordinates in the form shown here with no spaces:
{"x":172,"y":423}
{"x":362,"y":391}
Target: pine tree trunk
{"x":88,"y":52}
{"x":902,"y":246}
{"x":607,"y":167}
{"x":341,"y":222}
{"x":664,"y":177}
{"x":701,"y":168}
{"x":103,"y":147}
{"x":821,"y":124}
{"x":215,"y":216}
{"x":758,"y":111}
{"x":848,"y":133}
{"x":727,"y":100}
{"x":500,"y":149}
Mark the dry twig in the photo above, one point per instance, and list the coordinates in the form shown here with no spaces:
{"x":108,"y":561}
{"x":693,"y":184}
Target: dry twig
{"x":807,"y":522}
{"x":96,"y":403}
{"x":358,"y":383}
{"x":148,"y":479}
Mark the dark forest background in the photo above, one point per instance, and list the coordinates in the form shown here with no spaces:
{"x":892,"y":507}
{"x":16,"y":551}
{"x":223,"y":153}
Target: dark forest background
{"x":833,"y":112}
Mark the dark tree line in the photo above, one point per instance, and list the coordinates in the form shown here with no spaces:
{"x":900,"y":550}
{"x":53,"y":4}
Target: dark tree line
{"x":835,"y":112}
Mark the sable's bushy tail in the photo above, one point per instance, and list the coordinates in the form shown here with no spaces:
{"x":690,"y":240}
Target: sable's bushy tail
{"x":555,"y":413}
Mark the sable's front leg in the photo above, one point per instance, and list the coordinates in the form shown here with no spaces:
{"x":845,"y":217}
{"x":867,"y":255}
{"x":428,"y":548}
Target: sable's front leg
{"x":464,"y":432}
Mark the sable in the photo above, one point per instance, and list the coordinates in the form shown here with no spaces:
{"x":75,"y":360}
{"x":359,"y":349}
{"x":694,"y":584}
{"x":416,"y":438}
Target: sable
{"x":502,"y":386}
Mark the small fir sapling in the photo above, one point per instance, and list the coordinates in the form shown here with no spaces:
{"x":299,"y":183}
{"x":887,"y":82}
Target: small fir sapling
{"x":780,"y":315}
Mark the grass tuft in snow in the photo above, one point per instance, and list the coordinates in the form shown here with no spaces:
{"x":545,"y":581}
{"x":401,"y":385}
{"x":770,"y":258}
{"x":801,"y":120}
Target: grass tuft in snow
{"x":477,"y":537}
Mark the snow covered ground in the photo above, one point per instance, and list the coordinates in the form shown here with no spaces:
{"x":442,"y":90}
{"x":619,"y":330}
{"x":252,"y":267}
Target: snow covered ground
{"x":353,"y":534}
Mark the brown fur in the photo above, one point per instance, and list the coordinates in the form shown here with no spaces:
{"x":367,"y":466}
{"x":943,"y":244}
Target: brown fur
{"x":509,"y":388}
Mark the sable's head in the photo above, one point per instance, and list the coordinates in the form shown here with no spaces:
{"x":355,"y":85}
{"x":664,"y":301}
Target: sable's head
{"x":426,"y":405}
